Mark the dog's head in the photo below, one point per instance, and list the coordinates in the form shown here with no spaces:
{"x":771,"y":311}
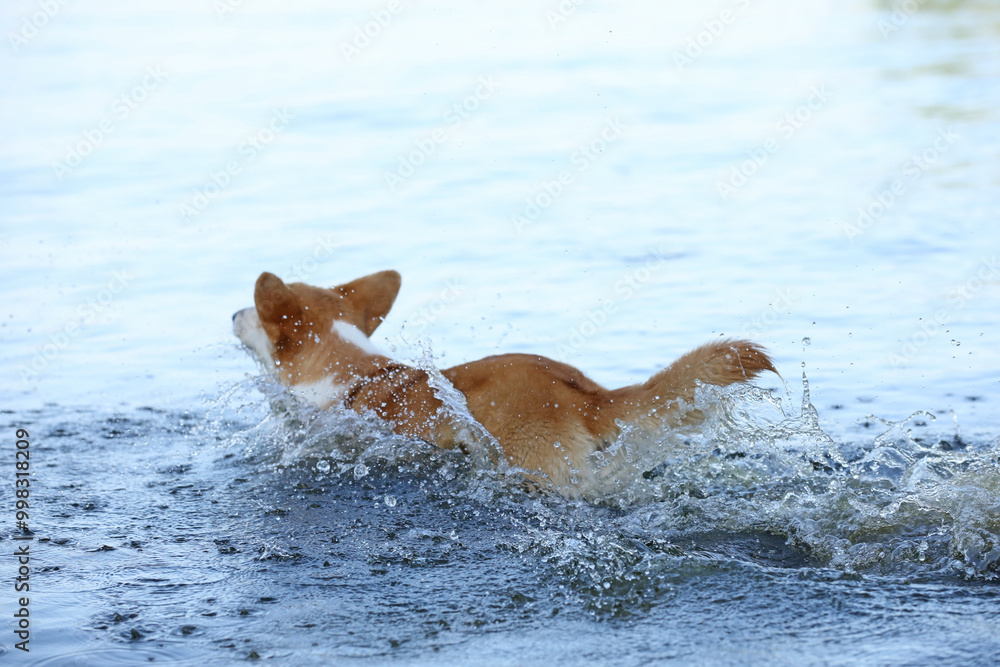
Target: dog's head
{"x":316,"y":339}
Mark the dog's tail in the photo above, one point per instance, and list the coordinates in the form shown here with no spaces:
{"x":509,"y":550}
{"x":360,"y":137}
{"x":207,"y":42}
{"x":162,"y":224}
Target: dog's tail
{"x":669,"y":395}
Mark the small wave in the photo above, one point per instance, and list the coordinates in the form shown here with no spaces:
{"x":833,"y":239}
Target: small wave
{"x":904,"y":503}
{"x":759,"y":469}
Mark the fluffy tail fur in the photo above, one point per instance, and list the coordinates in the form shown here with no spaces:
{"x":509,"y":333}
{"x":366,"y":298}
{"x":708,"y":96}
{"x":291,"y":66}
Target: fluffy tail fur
{"x":720,"y":363}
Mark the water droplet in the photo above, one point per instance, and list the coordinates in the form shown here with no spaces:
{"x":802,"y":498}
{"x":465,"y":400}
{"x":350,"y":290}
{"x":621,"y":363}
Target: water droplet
{"x":807,"y":341}
{"x":360,"y":471}
{"x":390,"y":501}
{"x":323,"y":466}
{"x":453,"y":535}
{"x":955,"y":342}
{"x":557,"y":444}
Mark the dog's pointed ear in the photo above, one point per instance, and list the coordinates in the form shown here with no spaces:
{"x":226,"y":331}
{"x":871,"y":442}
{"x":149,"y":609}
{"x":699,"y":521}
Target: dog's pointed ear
{"x":277,"y":306}
{"x":372,"y":296}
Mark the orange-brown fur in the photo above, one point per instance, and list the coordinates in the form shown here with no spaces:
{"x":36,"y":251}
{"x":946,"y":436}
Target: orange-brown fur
{"x":545,"y":415}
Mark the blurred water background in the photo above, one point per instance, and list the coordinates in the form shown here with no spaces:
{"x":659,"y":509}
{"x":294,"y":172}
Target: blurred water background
{"x":607,"y":184}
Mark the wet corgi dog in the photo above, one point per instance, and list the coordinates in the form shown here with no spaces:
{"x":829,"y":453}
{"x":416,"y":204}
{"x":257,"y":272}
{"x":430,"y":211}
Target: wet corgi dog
{"x":547,"y":417}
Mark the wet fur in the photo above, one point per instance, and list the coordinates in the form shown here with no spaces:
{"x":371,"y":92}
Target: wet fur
{"x":315,"y":341}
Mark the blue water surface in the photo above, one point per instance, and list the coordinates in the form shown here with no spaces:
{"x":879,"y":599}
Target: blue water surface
{"x":820,"y":177}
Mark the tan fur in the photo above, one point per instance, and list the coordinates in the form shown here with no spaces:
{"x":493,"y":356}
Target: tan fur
{"x":545,"y":415}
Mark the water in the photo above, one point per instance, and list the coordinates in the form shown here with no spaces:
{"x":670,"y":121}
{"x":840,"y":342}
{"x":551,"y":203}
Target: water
{"x":580,"y":202}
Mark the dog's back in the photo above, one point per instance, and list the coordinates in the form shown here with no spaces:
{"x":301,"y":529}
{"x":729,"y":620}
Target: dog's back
{"x":549,"y":416}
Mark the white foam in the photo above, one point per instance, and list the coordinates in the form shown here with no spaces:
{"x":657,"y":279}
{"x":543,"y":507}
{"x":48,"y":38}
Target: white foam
{"x":320,"y":392}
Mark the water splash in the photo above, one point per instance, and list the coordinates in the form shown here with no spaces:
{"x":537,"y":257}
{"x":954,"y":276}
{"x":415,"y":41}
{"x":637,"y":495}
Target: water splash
{"x":760,"y":470}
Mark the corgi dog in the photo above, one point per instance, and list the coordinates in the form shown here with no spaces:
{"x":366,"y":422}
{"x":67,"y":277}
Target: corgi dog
{"x":547,"y":417}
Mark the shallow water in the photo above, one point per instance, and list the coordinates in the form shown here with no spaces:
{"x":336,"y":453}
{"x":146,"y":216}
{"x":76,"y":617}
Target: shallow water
{"x":570,"y":206}
{"x":309,"y":538}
